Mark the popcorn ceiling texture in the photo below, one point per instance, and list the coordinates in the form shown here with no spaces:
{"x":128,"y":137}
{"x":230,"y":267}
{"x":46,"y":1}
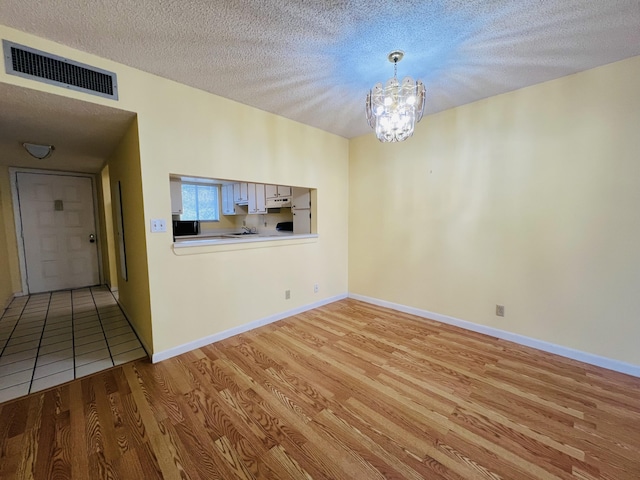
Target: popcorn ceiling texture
{"x":83,"y":140}
{"x":314,"y":62}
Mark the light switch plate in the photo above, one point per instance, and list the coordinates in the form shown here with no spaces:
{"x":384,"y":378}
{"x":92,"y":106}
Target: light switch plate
{"x":158,"y":225}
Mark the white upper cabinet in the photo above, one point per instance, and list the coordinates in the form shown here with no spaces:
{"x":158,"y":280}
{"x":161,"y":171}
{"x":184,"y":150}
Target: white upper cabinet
{"x":241,"y":193}
{"x":176,"y":197}
{"x":257,"y":198}
{"x":301,"y":210}
{"x":228,"y":201}
{"x":301,"y":198}
{"x":275,"y":191}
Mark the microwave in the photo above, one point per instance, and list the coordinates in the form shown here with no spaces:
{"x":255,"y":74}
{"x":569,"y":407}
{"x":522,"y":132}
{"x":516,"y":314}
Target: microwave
{"x":183,"y":228}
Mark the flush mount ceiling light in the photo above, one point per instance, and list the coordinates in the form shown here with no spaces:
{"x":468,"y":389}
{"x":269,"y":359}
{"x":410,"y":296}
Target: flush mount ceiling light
{"x":38,"y":151}
{"x":394,"y":109}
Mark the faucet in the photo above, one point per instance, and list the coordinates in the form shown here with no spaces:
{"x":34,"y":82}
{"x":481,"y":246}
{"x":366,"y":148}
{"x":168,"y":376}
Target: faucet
{"x":246,"y":229}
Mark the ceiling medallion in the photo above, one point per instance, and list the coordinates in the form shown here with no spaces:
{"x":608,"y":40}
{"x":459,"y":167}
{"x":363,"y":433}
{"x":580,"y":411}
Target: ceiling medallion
{"x":394,"y":109}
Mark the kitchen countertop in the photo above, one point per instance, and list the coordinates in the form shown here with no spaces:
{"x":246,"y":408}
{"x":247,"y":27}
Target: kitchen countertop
{"x":194,"y":243}
{"x":230,"y":236}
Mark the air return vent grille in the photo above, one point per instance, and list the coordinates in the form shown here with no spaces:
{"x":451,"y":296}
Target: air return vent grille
{"x":44,"y":67}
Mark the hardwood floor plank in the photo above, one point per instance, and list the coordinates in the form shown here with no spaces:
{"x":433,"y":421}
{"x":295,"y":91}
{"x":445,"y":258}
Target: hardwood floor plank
{"x":29,"y":446}
{"x":10,"y":457}
{"x":233,"y":459}
{"x":346,"y":391}
{"x":77,"y":431}
{"x":388,"y":464}
{"x":415,"y":443}
{"x":54,"y":455}
{"x":279,"y":465}
{"x":163,"y":454}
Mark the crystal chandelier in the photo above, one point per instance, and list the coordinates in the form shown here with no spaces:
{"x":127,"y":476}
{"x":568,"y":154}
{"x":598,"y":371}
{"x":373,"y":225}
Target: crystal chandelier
{"x":394,"y":109}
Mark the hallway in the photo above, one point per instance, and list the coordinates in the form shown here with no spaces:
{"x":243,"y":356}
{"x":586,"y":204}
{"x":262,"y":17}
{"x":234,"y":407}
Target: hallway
{"x":48,"y":339}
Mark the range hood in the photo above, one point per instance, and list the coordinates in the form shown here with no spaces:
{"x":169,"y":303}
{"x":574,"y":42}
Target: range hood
{"x":278,"y":202}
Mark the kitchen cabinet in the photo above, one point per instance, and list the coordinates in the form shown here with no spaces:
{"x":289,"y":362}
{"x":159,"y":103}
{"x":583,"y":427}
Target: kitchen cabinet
{"x":241,"y":193}
{"x":228,"y":200}
{"x":276,"y":191}
{"x":301,"y":210}
{"x":176,"y":197}
{"x":257,"y":198}
{"x":278,"y":196}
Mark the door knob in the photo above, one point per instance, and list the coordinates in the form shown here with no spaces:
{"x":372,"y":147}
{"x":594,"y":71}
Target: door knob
{"x":92,"y":238}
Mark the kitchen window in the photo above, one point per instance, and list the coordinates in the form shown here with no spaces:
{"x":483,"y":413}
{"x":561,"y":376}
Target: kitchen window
{"x":200,"y":202}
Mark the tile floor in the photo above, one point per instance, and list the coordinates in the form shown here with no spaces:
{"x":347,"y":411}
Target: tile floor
{"x":50,"y":338}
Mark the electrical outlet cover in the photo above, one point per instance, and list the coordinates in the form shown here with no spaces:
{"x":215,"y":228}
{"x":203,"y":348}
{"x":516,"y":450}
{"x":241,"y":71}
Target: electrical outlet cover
{"x":158,"y":225}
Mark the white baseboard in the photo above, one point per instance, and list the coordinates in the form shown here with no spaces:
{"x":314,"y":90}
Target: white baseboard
{"x":567,"y":352}
{"x":201,"y":342}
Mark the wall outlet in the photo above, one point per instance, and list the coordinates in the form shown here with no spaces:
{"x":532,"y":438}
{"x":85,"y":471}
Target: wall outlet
{"x":500,"y":310}
{"x":316,"y":288}
{"x":287,"y":294}
{"x":158,"y":225}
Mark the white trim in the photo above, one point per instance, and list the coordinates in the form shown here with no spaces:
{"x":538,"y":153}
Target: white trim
{"x":17,"y":217}
{"x":567,"y":352}
{"x":216,"y":337}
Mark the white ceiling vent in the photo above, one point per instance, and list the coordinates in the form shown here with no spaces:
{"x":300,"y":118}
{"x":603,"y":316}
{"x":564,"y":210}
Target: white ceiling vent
{"x":44,"y":67}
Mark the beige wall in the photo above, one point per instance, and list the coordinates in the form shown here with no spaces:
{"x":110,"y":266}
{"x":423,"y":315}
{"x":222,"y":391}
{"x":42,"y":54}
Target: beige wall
{"x":217,"y":291}
{"x":528,"y":199}
{"x":187,"y":131}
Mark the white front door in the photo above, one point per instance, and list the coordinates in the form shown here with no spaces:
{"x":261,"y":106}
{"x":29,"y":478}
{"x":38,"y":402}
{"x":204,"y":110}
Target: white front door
{"x":58,"y":231}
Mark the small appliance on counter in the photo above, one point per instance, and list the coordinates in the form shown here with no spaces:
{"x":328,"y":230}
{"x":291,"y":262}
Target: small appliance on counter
{"x":284,"y":227}
{"x":182,"y":228}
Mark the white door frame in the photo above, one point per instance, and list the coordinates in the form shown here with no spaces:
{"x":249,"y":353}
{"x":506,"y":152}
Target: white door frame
{"x":22,"y":259}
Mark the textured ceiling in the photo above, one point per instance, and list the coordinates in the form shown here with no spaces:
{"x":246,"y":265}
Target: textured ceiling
{"x":84,"y":134}
{"x":315,"y":61}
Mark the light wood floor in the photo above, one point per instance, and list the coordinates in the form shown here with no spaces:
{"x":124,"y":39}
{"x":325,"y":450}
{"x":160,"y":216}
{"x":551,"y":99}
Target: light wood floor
{"x":346,"y":391}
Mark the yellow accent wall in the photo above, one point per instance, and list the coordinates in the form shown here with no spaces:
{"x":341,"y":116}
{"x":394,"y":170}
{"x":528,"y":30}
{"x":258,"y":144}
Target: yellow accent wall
{"x":10,"y":282}
{"x":190,"y":132}
{"x":126,"y":183}
{"x":109,"y":265}
{"x":6,"y":287}
{"x":528,"y":199}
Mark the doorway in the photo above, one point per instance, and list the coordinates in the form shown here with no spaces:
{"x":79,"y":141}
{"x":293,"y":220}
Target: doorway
{"x":56,"y":226}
